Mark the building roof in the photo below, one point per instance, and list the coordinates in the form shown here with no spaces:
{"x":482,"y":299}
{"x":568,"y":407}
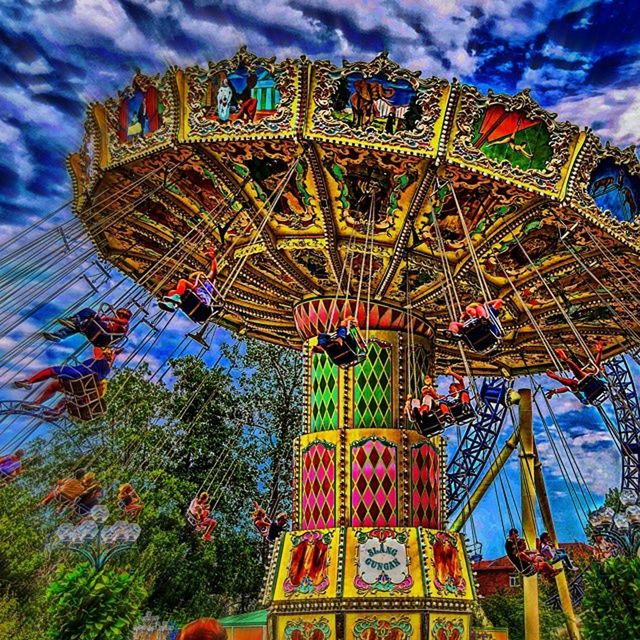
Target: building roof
{"x":250,"y":619}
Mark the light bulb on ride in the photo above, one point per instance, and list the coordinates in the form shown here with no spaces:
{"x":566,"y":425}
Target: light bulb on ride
{"x":108,"y":536}
{"x":134,"y":532}
{"x":632,"y":514}
{"x":87,"y":531}
{"x":621,"y":522}
{"x":99,"y":514}
{"x":628,"y":497}
{"x":65,"y":533}
{"x":606,"y":515}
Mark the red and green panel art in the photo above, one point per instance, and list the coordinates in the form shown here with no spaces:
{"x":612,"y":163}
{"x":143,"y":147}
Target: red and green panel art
{"x":447,"y":629}
{"x":318,"y":486}
{"x":425,"y":483}
{"x":324,"y":393}
{"x":318,"y":629}
{"x":510,"y":136}
{"x":307,"y":573}
{"x":139,"y":111}
{"x":372,"y":389}
{"x":374,"y":482}
{"x":446,"y":564}
{"x":374,"y":628}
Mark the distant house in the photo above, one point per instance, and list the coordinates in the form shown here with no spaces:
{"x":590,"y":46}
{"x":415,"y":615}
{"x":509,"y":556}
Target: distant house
{"x":499,"y":574}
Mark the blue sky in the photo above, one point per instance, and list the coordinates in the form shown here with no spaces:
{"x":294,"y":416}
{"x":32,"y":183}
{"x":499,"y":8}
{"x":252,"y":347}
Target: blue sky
{"x":580,"y":59}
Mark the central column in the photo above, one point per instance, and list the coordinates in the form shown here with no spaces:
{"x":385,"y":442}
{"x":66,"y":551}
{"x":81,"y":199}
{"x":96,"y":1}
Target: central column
{"x":368,"y":555}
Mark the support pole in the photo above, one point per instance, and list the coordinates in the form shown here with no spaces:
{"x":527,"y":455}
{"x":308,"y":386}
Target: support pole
{"x":528,"y":498}
{"x":487,"y":480}
{"x":561,"y":578}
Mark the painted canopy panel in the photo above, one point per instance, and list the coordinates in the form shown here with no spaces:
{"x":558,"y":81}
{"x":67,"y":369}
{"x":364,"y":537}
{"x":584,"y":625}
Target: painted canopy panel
{"x":313,"y":180}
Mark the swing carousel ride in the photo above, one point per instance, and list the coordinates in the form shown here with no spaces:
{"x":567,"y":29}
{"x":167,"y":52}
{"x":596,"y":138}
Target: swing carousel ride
{"x":394,"y":228}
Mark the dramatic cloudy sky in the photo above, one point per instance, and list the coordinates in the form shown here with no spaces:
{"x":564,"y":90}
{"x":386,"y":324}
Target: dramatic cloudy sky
{"x":579,"y":58}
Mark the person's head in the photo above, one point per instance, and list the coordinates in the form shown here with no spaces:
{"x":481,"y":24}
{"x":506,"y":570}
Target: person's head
{"x":545,"y":538}
{"x":125,"y":488}
{"x":514,"y":534}
{"x":79,"y":474}
{"x":409,"y":397}
{"x":521,"y":544}
{"x":203,"y":497}
{"x":123,"y":313}
{"x":203,"y":629}
{"x":88,"y":478}
{"x":19,"y":453}
{"x":282,"y":518}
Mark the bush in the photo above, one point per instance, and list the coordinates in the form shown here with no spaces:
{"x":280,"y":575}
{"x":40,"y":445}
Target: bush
{"x":89,"y":605}
{"x":611,"y":605}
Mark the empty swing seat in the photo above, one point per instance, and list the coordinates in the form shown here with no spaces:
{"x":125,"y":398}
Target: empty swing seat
{"x":592,"y":389}
{"x":84,"y":399}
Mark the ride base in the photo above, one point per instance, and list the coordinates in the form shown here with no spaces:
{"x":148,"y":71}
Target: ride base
{"x":369,"y":558}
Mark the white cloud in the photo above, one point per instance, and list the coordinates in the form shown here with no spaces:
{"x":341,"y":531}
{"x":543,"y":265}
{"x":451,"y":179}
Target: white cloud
{"x":614,"y":113}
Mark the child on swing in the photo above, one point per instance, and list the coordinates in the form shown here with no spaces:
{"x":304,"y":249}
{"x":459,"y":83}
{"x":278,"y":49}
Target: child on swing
{"x":204,"y":289}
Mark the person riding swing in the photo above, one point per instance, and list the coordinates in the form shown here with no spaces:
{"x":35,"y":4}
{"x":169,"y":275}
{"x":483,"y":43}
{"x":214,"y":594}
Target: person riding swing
{"x":100,"y":328}
{"x":588,"y":385}
{"x":345,"y":347}
{"x":479,"y":325}
{"x":196,"y":296}
{"x":269,"y":529}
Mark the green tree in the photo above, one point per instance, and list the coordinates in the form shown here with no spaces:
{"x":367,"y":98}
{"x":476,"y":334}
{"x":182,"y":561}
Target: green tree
{"x":89,"y":605}
{"x":611,"y":604}
{"x":228,"y":428}
{"x":506,"y":609}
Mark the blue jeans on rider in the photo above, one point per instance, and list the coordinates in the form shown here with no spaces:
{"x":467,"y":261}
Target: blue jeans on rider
{"x":80,"y":320}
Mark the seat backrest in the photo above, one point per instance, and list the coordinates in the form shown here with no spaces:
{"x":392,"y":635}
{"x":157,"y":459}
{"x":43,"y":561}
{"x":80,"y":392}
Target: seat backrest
{"x":194,"y":307}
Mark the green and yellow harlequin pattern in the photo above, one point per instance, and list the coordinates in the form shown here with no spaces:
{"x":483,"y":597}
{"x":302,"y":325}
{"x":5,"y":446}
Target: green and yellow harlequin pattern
{"x":324,"y":393}
{"x":372,"y":390}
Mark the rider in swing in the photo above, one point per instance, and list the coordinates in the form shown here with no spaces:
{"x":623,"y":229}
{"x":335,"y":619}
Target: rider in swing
{"x":203,"y":289}
{"x":99,"y":366}
{"x":580,"y":373}
{"x":475,"y":310}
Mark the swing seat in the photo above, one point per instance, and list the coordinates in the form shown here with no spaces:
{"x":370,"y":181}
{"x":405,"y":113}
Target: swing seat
{"x":431,"y":423}
{"x":345,"y":351}
{"x":481,"y":334}
{"x":461,"y":412}
{"x":191,"y":519}
{"x":98,"y":337}
{"x":83,"y":398}
{"x":196,"y":309}
{"x":525,"y":571}
{"x":592,"y":390}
